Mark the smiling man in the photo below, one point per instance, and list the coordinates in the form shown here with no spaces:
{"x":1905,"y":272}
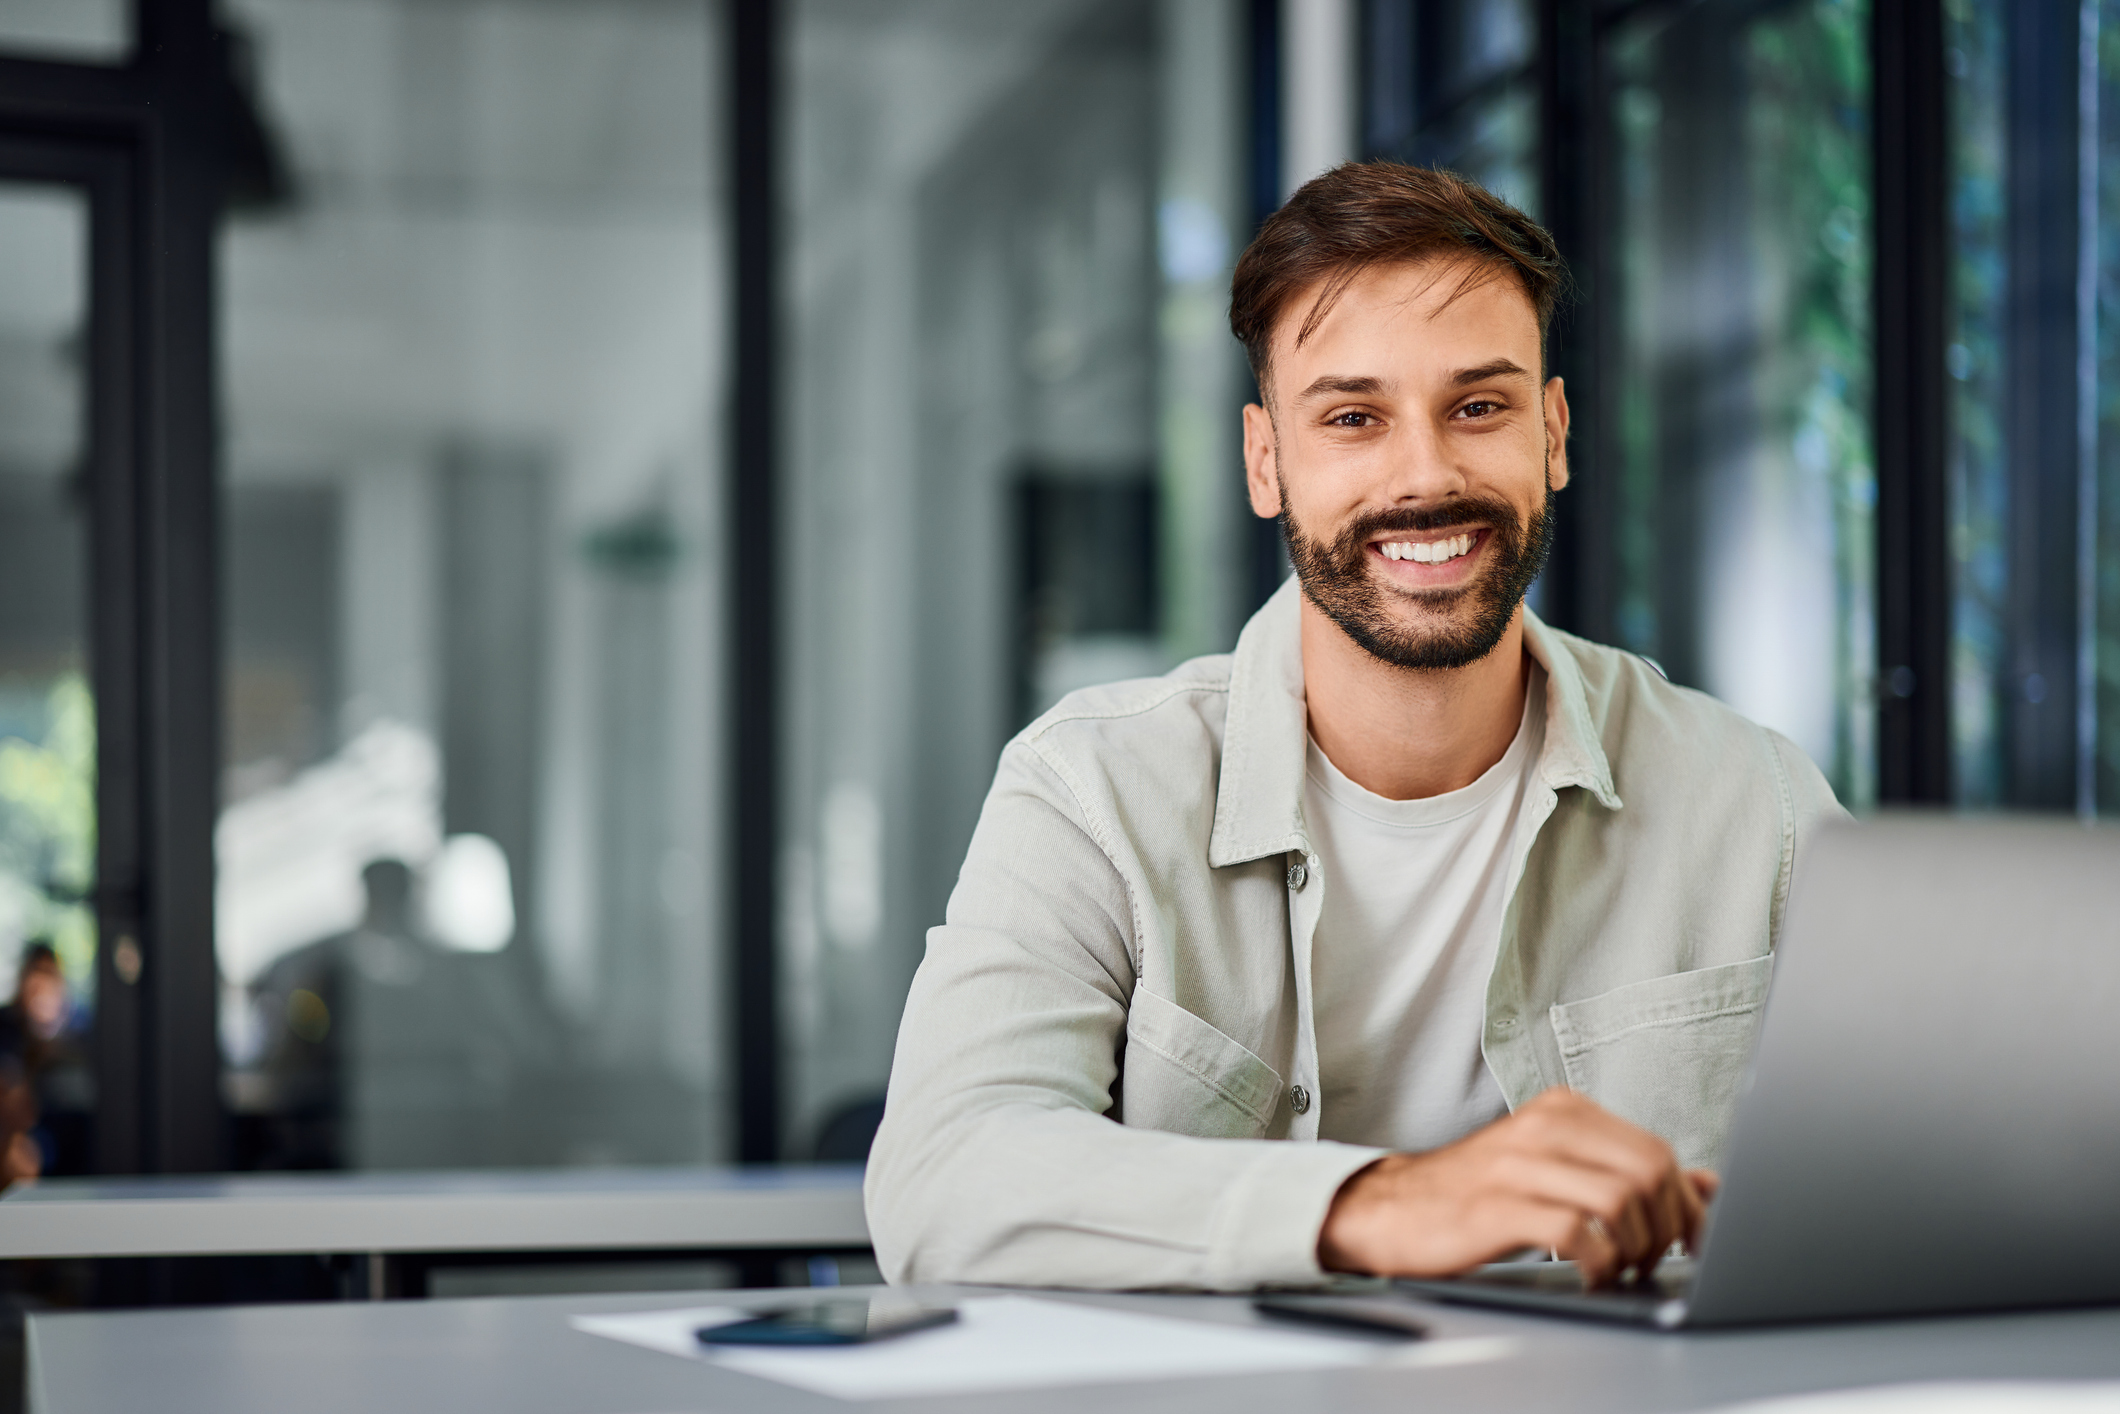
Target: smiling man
{"x":1410,"y":935}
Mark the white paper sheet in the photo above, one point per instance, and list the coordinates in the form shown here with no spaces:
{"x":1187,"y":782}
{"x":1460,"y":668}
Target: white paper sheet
{"x":1023,"y":1342}
{"x":1951,"y":1397}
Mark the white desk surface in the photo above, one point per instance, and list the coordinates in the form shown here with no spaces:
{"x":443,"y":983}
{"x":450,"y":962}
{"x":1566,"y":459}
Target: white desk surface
{"x":518,"y":1354}
{"x":480,"y":1211}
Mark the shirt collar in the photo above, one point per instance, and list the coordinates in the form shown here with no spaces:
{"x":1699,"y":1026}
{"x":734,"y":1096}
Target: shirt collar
{"x":1258,"y":799}
{"x":1574,"y":754}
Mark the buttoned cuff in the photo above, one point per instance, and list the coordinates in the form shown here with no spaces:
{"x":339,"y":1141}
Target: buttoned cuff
{"x":1266,"y":1226}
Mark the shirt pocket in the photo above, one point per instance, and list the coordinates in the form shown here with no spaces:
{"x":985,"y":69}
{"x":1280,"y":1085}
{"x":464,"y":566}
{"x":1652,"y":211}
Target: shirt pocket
{"x":1668,"y":1054}
{"x":1184,"y":1076}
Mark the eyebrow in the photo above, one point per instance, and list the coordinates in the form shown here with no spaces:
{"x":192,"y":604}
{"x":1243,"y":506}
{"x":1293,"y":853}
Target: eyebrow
{"x":1366,"y":387}
{"x":1351,"y":387}
{"x":1488,"y":372}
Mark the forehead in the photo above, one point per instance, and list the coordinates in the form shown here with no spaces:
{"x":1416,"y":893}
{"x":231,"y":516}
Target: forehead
{"x":1442,"y":310}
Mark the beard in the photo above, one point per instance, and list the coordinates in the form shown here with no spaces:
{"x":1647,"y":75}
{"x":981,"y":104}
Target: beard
{"x":1455,"y":627}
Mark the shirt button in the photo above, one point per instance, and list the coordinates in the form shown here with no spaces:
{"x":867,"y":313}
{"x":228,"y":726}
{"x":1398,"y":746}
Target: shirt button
{"x":1298,"y":1097}
{"x":1298,"y":874}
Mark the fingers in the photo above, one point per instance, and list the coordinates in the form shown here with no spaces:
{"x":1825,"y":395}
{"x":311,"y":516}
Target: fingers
{"x":1588,"y":1244}
{"x":1560,"y":1174}
{"x":1673,"y":1221}
{"x":1607,"y":1248}
{"x":1698,"y":1188}
{"x":1580,"y":1128}
{"x":1624,"y":1215}
{"x":1682,"y":1205}
{"x":1626,"y":1176}
{"x":1695,"y":1203}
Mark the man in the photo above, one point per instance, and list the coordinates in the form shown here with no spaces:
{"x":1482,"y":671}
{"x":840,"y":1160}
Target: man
{"x":33,"y":1042}
{"x":1478,"y":914}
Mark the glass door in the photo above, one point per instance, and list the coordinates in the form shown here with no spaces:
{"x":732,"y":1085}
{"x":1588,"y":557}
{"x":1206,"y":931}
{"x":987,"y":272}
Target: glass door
{"x":467,"y":902}
{"x":48,"y":844}
{"x":1737,"y":429}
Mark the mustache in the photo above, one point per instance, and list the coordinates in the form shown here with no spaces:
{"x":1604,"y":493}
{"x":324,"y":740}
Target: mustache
{"x":1458,"y":510}
{"x":1337,"y":577}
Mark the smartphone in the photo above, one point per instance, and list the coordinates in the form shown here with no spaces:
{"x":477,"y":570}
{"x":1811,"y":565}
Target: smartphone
{"x":846,"y":1320}
{"x":1370,"y":1313}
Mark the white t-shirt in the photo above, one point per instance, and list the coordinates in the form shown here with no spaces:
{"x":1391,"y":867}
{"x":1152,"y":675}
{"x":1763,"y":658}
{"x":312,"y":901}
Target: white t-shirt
{"x":1406,"y":936}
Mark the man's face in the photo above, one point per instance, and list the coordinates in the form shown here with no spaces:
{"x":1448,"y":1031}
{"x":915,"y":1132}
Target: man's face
{"x":1411,"y":455}
{"x":43,"y":995}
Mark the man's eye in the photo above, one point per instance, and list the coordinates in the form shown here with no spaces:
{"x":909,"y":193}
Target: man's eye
{"x":1349,"y":419}
{"x":1483,"y":408}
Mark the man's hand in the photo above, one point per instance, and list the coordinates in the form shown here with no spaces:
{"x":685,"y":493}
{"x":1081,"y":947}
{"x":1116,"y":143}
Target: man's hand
{"x":1560,"y":1173}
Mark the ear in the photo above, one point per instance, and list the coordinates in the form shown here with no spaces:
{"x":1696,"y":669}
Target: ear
{"x":1261,"y":471}
{"x":1556,"y":434}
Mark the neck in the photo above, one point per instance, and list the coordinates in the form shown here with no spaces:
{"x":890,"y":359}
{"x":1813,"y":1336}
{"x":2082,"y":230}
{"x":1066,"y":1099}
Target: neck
{"x":1408,"y":733}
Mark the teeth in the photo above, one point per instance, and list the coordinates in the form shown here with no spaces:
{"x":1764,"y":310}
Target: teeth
{"x":1428,"y":552}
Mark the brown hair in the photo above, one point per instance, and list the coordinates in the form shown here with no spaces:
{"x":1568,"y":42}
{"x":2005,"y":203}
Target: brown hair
{"x":1361,"y":214}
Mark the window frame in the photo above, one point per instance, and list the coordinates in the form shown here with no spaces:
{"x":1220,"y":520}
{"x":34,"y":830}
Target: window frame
{"x":136,"y":139}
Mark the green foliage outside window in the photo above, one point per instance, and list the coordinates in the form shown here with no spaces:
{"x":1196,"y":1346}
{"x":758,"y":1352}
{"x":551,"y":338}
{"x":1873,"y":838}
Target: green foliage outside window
{"x":1979,"y":475}
{"x":1744,"y":398}
{"x":48,"y":830}
{"x":1808,"y":148}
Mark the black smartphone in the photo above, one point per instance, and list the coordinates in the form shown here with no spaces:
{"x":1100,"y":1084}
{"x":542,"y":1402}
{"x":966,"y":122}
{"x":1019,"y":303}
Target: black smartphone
{"x":847,"y":1320}
{"x":1380,"y":1314}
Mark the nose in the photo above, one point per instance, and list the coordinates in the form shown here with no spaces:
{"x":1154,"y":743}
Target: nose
{"x":1418,"y":467}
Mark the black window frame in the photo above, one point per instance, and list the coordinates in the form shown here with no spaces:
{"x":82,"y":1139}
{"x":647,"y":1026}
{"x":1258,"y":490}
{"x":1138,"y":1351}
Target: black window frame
{"x":138,"y":139}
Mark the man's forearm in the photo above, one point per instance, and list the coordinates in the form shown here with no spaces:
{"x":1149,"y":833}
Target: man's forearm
{"x":1018,"y":1193}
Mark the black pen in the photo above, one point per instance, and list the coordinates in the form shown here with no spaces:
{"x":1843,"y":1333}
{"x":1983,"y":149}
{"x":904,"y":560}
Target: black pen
{"x":1380,"y":1315}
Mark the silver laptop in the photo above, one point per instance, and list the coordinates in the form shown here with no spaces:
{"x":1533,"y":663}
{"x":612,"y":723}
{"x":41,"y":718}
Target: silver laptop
{"x":1931,"y":1121}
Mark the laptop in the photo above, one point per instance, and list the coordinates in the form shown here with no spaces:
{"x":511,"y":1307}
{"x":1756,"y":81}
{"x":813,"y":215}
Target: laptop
{"x":1931,"y":1119}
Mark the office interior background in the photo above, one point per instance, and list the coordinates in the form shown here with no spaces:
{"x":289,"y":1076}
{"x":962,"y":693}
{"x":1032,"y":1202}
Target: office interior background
{"x":525,"y":524}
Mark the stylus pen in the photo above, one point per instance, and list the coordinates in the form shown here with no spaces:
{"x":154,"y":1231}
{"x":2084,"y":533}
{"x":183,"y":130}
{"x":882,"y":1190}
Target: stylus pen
{"x":1378,"y":1315}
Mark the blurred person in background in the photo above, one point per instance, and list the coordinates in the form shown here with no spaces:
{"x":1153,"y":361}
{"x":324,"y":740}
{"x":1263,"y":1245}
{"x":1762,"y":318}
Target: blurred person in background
{"x":1478,"y":914}
{"x":306,"y":1003}
{"x":39,"y":1021}
{"x":387,"y":1031}
{"x":35,"y":1041}
{"x":22,"y":1157}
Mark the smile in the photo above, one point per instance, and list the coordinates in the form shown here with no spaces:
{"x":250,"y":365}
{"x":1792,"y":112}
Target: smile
{"x":1428,"y":552}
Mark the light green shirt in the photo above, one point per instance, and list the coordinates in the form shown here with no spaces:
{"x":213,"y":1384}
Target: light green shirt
{"x":1107,"y":1072}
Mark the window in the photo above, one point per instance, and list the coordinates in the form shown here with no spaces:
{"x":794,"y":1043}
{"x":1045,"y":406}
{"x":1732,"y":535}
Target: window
{"x":47,"y":709}
{"x":472,"y":349}
{"x":1012,"y":463}
{"x":465,"y":478}
{"x":93,"y":31}
{"x":1735,"y":426}
{"x":1454,"y":85}
{"x":2034,"y":93}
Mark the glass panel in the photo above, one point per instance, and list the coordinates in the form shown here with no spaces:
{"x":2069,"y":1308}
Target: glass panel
{"x":95,"y":30}
{"x":467,"y":899}
{"x":1013,"y":458}
{"x":1975,"y":57}
{"x":2105,"y":627}
{"x":47,"y":718}
{"x":2033,"y":370}
{"x":1451,"y":85}
{"x":1741,"y":426}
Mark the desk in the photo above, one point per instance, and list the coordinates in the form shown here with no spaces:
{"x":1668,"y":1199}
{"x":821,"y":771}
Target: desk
{"x":412,"y":1215}
{"x":519,"y":1354}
